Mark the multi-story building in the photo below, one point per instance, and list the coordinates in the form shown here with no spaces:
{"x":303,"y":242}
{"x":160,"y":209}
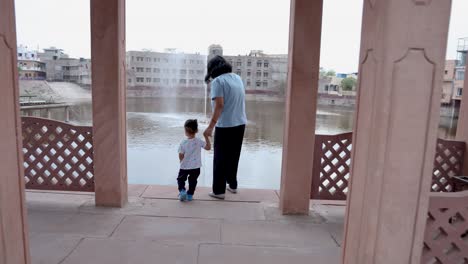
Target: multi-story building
{"x":60,"y":67}
{"x":448,"y":83}
{"x":261,"y":73}
{"x":165,"y":69}
{"x":462,"y":50}
{"x":30,"y":67}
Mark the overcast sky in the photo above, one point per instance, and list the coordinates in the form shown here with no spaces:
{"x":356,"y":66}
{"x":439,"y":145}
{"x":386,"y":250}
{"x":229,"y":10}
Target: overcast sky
{"x":191,"y":26}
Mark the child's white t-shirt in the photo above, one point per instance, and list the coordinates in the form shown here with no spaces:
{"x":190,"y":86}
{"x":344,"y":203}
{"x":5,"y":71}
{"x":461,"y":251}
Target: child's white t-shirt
{"x":191,"y":148}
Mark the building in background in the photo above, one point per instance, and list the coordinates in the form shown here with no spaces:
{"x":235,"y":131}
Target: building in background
{"x":169,"y":69}
{"x":262,"y":73}
{"x":462,"y":49}
{"x":61,"y":68}
{"x":30,"y":67}
{"x":448,"y":83}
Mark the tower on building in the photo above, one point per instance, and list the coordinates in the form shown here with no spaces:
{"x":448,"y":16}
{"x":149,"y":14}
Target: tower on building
{"x":215,"y":50}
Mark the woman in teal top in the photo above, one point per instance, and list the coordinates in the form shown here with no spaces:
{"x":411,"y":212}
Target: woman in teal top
{"x":228,"y":120}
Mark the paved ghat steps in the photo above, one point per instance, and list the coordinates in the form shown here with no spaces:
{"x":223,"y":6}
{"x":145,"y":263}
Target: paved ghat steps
{"x":154,"y":227}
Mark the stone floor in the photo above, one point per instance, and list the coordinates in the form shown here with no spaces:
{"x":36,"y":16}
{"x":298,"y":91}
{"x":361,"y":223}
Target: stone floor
{"x":156,"y":228}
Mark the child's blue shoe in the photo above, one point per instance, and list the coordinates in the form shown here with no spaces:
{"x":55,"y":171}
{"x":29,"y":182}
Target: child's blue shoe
{"x":189,"y":197}
{"x":182,"y":195}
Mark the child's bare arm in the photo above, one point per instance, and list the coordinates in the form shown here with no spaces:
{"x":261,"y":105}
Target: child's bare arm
{"x":181,"y":157}
{"x":208,"y":143}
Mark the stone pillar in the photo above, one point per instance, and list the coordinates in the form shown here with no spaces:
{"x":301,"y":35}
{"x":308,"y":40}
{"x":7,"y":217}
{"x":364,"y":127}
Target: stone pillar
{"x":13,"y":217}
{"x":301,"y":105}
{"x":462,"y":126}
{"x":109,"y":92}
{"x":400,"y":78}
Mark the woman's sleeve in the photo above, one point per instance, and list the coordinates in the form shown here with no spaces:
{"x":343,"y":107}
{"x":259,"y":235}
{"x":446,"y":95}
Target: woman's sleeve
{"x":216,"y":89}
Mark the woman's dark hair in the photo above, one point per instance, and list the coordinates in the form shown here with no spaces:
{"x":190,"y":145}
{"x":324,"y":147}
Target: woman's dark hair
{"x":216,"y":67}
{"x":191,"y":126}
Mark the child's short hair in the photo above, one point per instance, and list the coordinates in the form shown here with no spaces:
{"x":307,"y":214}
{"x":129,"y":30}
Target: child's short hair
{"x":191,"y":126}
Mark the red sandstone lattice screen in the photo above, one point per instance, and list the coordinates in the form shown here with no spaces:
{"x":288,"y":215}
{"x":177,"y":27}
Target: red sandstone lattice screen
{"x":57,"y":156}
{"x":332,"y":160}
{"x":448,"y":163}
{"x":446,"y":236}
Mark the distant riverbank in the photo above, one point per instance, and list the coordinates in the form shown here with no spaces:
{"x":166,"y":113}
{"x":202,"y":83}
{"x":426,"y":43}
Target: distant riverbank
{"x":67,"y":92}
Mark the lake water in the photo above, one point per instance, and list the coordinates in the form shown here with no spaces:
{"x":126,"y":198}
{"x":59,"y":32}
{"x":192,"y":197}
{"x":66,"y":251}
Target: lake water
{"x":155,"y":129}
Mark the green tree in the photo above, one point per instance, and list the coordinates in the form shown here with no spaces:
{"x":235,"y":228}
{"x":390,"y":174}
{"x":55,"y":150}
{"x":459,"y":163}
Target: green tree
{"x":348,"y":83}
{"x":322,"y":72}
{"x":331,"y":73}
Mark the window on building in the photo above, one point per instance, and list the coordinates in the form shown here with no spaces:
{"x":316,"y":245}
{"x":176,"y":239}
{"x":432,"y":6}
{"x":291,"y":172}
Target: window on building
{"x":459,"y":91}
{"x":266,"y":64}
{"x":148,"y":59}
{"x":183,"y":81}
{"x":460,"y":75}
{"x":191,"y":71}
{"x":129,"y":80}
{"x":140,"y":79}
{"x":239,"y":72}
{"x":148,"y":69}
{"x":139,"y":58}
{"x":259,"y":63}
{"x":230,"y":62}
{"x":446,"y":72}
{"x":265,"y":74}
{"x":326,"y":87}
{"x":248,"y":73}
{"x":156,"y":80}
{"x":139,"y":69}
{"x":166,"y":60}
{"x":166,"y":70}
{"x":259,"y":74}
{"x":192,"y":81}
{"x":259,"y":83}
{"x":166,"y":81}
{"x":265,"y":84}
{"x":249,"y":63}
{"x":199,"y":62}
{"x":248,"y":83}
{"x":156,"y":70}
{"x":174,"y":80}
{"x":192,"y":61}
{"x":199,"y":81}
{"x":199,"y":72}
{"x":183,"y":71}
{"x":148,"y":80}
{"x":239,"y":63}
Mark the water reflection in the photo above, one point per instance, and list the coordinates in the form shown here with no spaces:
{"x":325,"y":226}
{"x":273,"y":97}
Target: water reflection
{"x":155,"y":129}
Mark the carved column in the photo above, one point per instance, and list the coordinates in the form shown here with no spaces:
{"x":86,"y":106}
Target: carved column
{"x":301,"y":105}
{"x":400,"y":78}
{"x":13,"y":218}
{"x":109,"y":94}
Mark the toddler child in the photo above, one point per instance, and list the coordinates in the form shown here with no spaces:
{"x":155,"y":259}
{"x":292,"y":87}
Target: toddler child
{"x":190,"y":159}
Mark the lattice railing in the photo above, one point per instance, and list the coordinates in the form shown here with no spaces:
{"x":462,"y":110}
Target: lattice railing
{"x":57,"y":156}
{"x":332,"y":160}
{"x":448,"y":163}
{"x":446,"y":236}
